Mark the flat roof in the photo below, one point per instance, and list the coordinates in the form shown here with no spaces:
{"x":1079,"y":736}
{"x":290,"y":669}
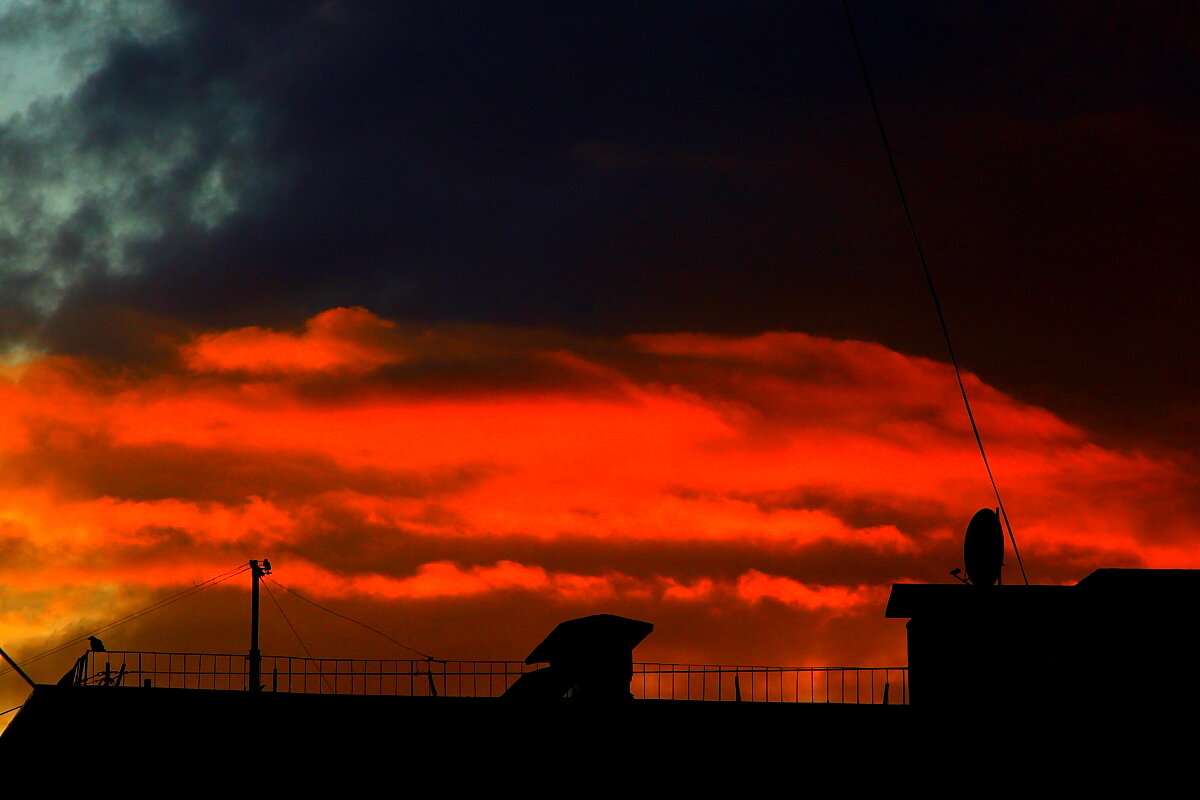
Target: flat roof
{"x":914,"y":599}
{"x":1130,"y":586}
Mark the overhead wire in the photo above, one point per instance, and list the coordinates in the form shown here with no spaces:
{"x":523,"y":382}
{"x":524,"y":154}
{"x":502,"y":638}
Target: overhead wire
{"x":929,"y":282}
{"x":156,"y":606}
{"x":295,"y":633}
{"x":207,"y":584}
{"x":376,"y":631}
{"x":292,"y":627}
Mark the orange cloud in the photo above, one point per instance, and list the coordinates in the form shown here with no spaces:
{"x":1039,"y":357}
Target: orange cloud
{"x":754,"y":586}
{"x":341,"y":338}
{"x":480,"y":484}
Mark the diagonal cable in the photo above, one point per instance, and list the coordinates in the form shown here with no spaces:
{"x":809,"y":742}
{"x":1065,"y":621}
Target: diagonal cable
{"x":156,"y":606}
{"x":296,"y":633}
{"x":912,"y":227}
{"x":355,"y":621}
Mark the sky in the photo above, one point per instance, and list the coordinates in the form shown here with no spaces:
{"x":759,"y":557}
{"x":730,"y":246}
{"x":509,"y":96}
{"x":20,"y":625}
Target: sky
{"x":474,"y":317}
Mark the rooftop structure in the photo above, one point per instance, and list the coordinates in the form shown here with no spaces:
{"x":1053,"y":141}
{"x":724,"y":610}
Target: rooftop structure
{"x":1049,"y":648}
{"x":985,"y":663}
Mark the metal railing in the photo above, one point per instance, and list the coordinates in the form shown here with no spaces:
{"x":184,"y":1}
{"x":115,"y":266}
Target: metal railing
{"x":858,"y":685}
{"x":427,"y":677}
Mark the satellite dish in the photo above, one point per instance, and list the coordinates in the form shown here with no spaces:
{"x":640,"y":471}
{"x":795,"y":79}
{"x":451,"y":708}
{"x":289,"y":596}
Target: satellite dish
{"x":983,"y":548}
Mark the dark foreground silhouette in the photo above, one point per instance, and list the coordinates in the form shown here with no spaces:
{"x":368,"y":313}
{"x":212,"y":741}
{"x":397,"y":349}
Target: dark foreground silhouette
{"x":1014,"y":689}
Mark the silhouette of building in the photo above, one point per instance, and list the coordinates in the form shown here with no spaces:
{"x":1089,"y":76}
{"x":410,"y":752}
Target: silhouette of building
{"x":1063,"y":670}
{"x":1101,"y":643}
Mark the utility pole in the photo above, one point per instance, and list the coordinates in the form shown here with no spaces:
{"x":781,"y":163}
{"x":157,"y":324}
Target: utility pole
{"x":256,"y":574}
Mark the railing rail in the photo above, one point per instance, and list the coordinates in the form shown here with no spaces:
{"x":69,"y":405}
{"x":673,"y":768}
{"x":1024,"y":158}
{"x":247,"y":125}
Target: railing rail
{"x":428,"y":677}
{"x":856,"y":685}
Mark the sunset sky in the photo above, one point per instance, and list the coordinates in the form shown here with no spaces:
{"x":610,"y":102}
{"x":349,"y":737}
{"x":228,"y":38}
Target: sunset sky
{"x":474,"y":317}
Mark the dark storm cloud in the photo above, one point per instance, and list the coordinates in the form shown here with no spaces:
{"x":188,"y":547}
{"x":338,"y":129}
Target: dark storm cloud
{"x":123,"y":142}
{"x":649,"y":166}
{"x":430,"y":152}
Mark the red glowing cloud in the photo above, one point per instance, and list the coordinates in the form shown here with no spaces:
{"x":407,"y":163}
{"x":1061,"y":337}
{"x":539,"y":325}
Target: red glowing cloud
{"x":753,"y":496}
{"x":339,"y":339}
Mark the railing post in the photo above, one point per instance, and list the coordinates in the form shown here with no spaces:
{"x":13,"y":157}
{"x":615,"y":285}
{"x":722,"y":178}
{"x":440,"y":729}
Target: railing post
{"x":486,"y":678}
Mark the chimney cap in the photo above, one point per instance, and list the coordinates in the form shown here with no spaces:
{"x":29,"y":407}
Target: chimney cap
{"x":587,"y":635}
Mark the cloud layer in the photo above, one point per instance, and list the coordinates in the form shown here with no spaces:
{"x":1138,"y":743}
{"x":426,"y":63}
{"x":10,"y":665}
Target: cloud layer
{"x":467,"y":487}
{"x":644,"y":167}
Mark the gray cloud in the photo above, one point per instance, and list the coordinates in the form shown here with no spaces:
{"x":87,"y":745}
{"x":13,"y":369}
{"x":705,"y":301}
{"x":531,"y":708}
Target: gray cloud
{"x":116,"y":141}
